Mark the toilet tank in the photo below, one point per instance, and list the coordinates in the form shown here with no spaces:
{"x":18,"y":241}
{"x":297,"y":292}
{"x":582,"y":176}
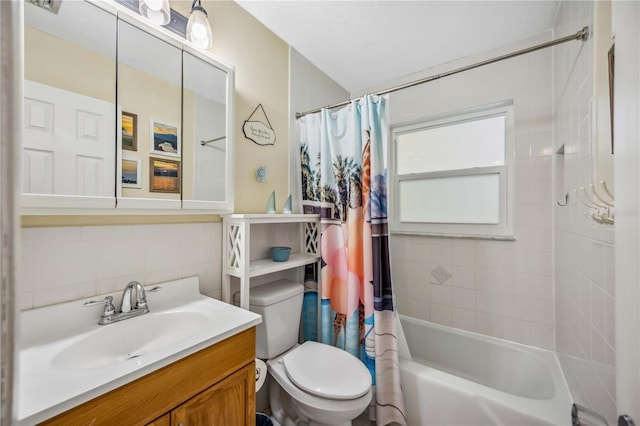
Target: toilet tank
{"x":280,"y":304}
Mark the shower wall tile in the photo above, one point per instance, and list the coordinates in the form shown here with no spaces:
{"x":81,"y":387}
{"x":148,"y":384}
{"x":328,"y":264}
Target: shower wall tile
{"x":463,"y":277}
{"x":464,"y":319}
{"x":517,"y":330}
{"x":499,"y":288}
{"x":419,"y":290}
{"x":441,"y":314}
{"x":418,"y":309}
{"x":542,"y":336}
{"x":463,"y":298}
{"x":440,"y":294}
{"x":60,"y":264}
{"x":583,"y":252}
{"x":463,"y":256}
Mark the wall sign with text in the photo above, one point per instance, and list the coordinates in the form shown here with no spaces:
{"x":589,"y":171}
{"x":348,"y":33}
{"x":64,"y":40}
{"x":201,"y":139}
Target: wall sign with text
{"x":257,"y":127}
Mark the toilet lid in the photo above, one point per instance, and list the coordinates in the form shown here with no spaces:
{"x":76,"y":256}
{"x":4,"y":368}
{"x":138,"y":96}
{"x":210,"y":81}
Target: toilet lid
{"x":326,"y":371}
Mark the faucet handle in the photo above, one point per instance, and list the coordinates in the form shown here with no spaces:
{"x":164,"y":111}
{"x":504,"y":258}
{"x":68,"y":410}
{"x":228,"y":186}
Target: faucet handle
{"x":107,"y":300}
{"x":141,"y":294}
{"x":141,"y":298}
{"x":109,"y":309}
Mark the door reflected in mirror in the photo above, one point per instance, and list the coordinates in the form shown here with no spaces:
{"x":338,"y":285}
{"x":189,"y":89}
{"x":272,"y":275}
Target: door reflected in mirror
{"x":69,"y":105}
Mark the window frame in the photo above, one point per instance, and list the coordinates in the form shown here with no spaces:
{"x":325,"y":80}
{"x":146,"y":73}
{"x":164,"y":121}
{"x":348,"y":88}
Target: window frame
{"x":503,"y":230}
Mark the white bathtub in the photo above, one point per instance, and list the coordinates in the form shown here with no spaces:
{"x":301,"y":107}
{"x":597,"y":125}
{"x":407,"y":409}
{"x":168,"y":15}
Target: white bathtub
{"x":461,"y":378}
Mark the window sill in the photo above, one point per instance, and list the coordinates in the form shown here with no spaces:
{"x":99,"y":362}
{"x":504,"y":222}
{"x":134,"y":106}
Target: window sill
{"x":459,"y":236}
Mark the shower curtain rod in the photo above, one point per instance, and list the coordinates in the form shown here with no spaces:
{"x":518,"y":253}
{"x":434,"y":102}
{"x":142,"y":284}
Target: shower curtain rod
{"x":582,"y":35}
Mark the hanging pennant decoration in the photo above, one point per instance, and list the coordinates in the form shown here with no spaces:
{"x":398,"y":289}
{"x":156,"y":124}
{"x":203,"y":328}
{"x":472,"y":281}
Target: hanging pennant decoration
{"x":257,"y":130}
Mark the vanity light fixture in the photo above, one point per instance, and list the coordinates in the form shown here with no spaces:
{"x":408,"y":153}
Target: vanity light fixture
{"x":198,"y":27}
{"x":50,"y":5}
{"x":157,"y":11}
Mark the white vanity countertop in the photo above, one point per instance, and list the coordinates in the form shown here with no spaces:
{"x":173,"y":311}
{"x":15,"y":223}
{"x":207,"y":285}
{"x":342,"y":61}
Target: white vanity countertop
{"x":47,"y":387}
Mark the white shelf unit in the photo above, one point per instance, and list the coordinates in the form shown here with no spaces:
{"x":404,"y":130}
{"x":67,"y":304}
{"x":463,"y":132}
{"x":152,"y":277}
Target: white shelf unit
{"x":236,"y":249}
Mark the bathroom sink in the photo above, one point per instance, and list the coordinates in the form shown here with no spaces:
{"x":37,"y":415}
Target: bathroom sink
{"x":129,"y":339}
{"x":66,"y":358}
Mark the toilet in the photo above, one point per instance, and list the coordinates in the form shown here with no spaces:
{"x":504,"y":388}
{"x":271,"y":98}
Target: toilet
{"x":311,"y":382}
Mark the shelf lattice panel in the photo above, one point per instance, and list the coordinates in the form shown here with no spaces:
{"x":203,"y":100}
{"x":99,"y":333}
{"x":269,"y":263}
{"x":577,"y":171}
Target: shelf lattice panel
{"x":234,"y":246}
{"x":311,"y":239}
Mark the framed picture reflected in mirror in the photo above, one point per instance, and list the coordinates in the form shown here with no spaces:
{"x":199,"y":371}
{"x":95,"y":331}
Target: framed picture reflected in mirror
{"x":129,"y":131}
{"x":165,"y":138}
{"x":164,"y":175}
{"x":131,"y":173}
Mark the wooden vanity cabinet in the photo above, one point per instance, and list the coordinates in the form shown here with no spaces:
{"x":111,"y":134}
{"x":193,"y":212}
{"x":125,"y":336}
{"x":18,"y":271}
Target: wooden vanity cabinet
{"x":222,"y":404}
{"x":161,"y":421}
{"x":214,"y":386}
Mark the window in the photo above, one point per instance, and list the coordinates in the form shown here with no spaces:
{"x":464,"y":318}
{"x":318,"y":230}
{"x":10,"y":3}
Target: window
{"x":452,"y":176}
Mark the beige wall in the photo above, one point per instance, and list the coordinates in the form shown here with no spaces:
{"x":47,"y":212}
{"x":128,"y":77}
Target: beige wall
{"x":150,"y":98}
{"x":55,"y":62}
{"x":261,"y":61}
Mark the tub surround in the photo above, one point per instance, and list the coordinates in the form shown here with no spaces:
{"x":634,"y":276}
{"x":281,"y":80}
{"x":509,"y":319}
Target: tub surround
{"x":47,"y":388}
{"x":584,"y":294}
{"x":502,"y":289}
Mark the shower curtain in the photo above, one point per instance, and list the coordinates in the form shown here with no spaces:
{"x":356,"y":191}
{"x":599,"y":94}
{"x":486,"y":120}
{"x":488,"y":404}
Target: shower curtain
{"x":344,"y":179}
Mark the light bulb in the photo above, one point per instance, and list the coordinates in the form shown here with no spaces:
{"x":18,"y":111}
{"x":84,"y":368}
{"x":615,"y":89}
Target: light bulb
{"x":198,"y":27}
{"x":157,"y":11}
{"x":154,"y":5}
{"x":198,"y":31}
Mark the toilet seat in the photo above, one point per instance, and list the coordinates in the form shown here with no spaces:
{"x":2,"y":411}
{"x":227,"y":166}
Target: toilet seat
{"x":326,"y":371}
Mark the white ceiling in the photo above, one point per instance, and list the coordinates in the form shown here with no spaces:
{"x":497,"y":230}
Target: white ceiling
{"x":362,"y":44}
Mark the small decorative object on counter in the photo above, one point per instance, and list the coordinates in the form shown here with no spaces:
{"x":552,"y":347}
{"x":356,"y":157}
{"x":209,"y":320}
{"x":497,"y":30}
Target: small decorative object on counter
{"x":271,"y":203}
{"x":261,"y":174}
{"x":287,"y":206}
{"x":280,"y":254}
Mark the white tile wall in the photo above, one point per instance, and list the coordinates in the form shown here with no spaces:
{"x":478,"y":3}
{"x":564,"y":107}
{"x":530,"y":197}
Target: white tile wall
{"x":500,"y":288}
{"x":584,"y":294}
{"x":65,"y":263}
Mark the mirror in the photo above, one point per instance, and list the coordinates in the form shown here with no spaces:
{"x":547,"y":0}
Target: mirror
{"x":603,"y":141}
{"x":204,"y":98}
{"x":149,"y":106}
{"x":69,"y":106}
{"x":119,"y":113}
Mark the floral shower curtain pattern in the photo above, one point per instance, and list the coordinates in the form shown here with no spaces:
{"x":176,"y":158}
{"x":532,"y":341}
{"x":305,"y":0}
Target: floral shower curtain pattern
{"x":344,"y":179}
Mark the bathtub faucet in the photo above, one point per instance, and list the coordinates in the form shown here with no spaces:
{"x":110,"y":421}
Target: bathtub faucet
{"x":583,"y":416}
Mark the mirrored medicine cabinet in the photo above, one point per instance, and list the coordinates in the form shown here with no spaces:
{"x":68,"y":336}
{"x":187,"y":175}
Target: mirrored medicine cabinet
{"x":121,"y":116}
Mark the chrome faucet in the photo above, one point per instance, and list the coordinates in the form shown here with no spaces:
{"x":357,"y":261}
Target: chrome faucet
{"x":127,"y":299}
{"x":129,"y":307}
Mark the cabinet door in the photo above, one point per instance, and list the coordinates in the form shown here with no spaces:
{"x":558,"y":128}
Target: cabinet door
{"x":162,"y":421}
{"x":69,"y":125}
{"x":230,"y":402}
